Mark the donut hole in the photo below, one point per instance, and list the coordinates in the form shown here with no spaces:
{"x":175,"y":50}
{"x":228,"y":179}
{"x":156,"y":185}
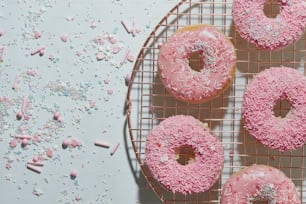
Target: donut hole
{"x":196,"y":61}
{"x":272,"y":8}
{"x":261,"y":202}
{"x":282,"y":108}
{"x":185,"y":154}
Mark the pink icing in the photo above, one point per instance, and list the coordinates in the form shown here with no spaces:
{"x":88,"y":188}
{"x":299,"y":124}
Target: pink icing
{"x":261,"y":95}
{"x":194,"y":177}
{"x":270,"y":33}
{"x":259,"y":183}
{"x":187,"y":84}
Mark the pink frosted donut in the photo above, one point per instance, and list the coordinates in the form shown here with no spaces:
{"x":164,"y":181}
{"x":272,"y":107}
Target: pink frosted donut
{"x":270,"y":33}
{"x":218,"y":56}
{"x":262,"y":94}
{"x":184,"y":136}
{"x":259,"y":183}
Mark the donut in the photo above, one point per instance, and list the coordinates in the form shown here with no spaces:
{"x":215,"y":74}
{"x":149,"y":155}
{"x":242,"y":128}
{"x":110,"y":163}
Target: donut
{"x":259,"y":183}
{"x":209,"y":78}
{"x":184,"y":137}
{"x":261,"y":95}
{"x":269,"y":33}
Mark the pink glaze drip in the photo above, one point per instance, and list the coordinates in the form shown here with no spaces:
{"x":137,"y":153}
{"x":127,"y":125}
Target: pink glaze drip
{"x":261,"y":95}
{"x":259,"y":183}
{"x":270,"y":33}
{"x":219,"y":61}
{"x":162,"y":143}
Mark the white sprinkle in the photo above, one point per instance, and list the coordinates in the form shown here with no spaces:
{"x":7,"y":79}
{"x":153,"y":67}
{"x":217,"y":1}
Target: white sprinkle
{"x":37,"y":192}
{"x":164,"y":158}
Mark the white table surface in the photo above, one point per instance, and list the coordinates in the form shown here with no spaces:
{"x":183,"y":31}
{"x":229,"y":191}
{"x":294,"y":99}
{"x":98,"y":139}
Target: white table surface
{"x":69,"y":83}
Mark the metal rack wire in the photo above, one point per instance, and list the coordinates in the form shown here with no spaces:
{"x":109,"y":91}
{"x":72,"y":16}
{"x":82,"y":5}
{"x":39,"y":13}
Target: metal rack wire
{"x":149,"y":102}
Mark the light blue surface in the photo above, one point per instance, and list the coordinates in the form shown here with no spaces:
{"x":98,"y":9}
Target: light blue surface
{"x":101,"y":178}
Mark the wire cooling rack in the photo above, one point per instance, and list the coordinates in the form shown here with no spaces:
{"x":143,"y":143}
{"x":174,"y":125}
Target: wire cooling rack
{"x":149,"y":102}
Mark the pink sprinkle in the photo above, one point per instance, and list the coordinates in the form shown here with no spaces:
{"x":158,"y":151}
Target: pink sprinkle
{"x":78,"y":198}
{"x":40,"y":158}
{"x":13,"y":143}
{"x":137,"y":30}
{"x":31,"y":72}
{"x":25,"y":104}
{"x":109,"y":92}
{"x":102,"y":144}
{"x":41,"y":52}
{"x":73,"y":174}
{"x":100,"y":56}
{"x":106,"y":81}
{"x":75,"y":143}
{"x":2,"y":50}
{"x":34,"y":168}
{"x":37,"y":34}
{"x":116,"y":49}
{"x":19,"y":115}
{"x":8,"y":166}
{"x":115,"y":148}
{"x":35,"y":163}
{"x":130,"y":57}
{"x":92,"y":104}
{"x":24,"y":142}
{"x":127,"y":28}
{"x":35,"y":159}
{"x":56,"y":115}
{"x":1,"y":33}
{"x":134,"y":28}
{"x":64,"y":38}
{"x":35,"y":139}
{"x":93,"y":24}
{"x":112,"y":40}
{"x":78,"y":53}
{"x":99,"y":40}
{"x":26,"y":117}
{"x":15,"y":87}
{"x":65,"y":143}
{"x":49,"y":152}
{"x":125,"y":56}
{"x":38,"y":50}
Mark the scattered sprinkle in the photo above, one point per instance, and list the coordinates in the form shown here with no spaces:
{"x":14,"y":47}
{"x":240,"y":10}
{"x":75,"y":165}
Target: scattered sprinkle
{"x":64,"y":38}
{"x":114,"y":149}
{"x":102,"y":144}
